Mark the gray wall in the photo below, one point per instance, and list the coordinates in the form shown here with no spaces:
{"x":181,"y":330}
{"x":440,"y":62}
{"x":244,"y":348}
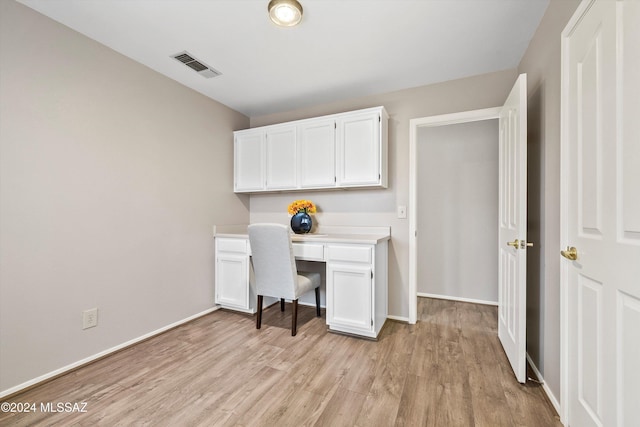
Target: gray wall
{"x":378,"y":207}
{"x":541,"y":62}
{"x":111,"y":177}
{"x":457,"y":192}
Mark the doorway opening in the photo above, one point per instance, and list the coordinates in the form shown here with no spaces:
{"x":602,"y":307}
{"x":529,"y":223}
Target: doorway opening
{"x":423,"y":130}
{"x":457,"y":200}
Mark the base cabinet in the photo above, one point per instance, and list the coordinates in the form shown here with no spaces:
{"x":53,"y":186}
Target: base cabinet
{"x":356,"y":279}
{"x":357,"y":288}
{"x":232,"y":275}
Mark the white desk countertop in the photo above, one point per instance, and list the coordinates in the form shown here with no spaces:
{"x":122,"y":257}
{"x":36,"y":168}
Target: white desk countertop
{"x":329,"y":234}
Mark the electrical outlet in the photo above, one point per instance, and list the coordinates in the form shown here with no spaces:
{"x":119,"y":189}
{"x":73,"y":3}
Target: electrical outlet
{"x":90,"y":318}
{"x":402,"y":212}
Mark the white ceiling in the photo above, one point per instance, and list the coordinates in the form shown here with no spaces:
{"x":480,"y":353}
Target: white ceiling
{"x":342,"y":49}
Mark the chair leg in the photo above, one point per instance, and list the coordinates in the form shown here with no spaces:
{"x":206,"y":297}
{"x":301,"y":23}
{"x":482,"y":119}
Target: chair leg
{"x":281,"y":304}
{"x":318,"y":301}
{"x":259,"y":314}
{"x":294,"y":318}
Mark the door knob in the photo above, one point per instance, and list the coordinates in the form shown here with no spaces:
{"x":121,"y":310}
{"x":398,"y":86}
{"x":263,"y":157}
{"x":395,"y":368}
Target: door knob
{"x":515,"y":243}
{"x":571,"y":253}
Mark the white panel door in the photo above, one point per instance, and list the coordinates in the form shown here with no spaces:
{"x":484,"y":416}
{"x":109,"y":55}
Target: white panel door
{"x":281,"y":158}
{"x":601,"y":141}
{"x":359,"y":149}
{"x":317,"y":153}
{"x":512,"y":233}
{"x":249,"y":160}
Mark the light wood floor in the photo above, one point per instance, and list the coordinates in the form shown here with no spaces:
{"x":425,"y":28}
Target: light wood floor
{"x":447,"y":370}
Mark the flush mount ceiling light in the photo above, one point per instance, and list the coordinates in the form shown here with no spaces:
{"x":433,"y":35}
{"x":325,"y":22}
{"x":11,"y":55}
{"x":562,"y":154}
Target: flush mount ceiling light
{"x":285,"y":13}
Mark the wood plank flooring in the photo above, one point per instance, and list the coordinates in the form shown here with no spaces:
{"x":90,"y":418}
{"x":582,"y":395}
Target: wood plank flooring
{"x":218,"y":370}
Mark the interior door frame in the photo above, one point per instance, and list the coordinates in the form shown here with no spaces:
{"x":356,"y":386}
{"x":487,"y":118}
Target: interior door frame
{"x":414,"y":125}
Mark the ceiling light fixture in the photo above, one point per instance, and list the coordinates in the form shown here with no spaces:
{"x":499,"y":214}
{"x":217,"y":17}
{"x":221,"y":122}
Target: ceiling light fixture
{"x":285,"y":13}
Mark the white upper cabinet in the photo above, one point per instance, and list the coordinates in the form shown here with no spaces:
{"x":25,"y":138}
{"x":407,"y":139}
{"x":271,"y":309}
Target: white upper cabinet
{"x":317,"y":154}
{"x":249,"y":160}
{"x":281,"y":157}
{"x":359,"y":149}
{"x":337,"y":151}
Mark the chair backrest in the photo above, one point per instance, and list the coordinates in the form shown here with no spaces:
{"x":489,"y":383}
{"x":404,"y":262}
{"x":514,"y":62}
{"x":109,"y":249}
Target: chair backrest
{"x":273,"y":262}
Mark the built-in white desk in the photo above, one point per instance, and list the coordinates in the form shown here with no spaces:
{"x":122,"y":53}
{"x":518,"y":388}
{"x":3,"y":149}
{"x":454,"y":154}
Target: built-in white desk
{"x":355,"y":274}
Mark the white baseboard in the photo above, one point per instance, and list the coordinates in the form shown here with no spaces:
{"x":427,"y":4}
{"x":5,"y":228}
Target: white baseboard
{"x":447,"y":297}
{"x":398,"y":318}
{"x":97,"y":356}
{"x":309,"y":304}
{"x":554,"y":401}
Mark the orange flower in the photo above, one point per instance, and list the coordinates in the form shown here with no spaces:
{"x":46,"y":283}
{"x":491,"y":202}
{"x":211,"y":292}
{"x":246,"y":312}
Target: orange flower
{"x":306,"y":206}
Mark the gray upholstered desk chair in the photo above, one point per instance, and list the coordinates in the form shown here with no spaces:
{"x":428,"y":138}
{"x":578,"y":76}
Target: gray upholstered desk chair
{"x":275,"y":270}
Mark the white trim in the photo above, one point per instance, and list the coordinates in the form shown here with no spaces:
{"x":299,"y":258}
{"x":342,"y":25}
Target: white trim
{"x":398,"y":318}
{"x":545,"y":387}
{"x":582,"y":9}
{"x":461,"y":117}
{"x":452,"y":298}
{"x":101,"y":354}
{"x":441,"y":120}
{"x":308,"y":304}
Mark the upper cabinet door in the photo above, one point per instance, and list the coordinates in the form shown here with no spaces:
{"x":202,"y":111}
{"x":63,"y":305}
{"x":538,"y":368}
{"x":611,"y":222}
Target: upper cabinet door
{"x":281,"y":158}
{"x":317,"y":154}
{"x":359,"y":149}
{"x":249,"y":160}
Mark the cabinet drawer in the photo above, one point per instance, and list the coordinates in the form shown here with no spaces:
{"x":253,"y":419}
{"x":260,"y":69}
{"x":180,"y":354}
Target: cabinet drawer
{"x":310,"y":252}
{"x":350,"y":254}
{"x":232,"y":245}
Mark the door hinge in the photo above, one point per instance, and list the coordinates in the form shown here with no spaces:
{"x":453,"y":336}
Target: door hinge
{"x":335,"y":179}
{"x":372,"y":274}
{"x":335,"y":125}
{"x":379,"y":118}
{"x":371,"y":322}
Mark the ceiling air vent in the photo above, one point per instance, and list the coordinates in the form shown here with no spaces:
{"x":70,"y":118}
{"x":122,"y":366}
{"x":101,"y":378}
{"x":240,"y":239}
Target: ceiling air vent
{"x":200,"y":67}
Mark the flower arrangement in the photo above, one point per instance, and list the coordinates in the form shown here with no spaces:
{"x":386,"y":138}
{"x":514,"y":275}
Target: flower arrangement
{"x":305,"y":206}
